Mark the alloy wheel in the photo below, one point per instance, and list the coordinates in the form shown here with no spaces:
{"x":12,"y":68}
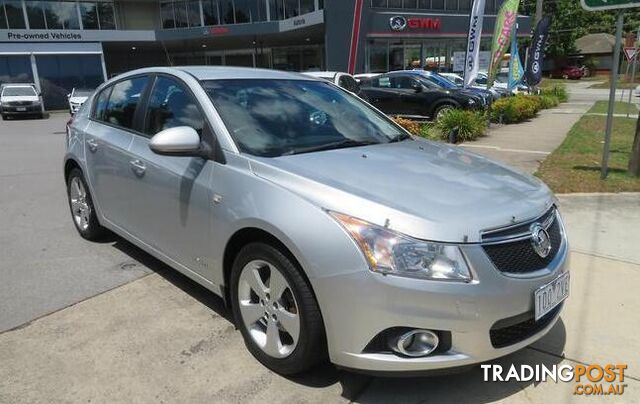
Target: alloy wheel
{"x":268,"y":308}
{"x":79,"y":205}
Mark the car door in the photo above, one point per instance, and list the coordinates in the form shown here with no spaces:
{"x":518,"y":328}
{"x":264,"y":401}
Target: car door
{"x":108,"y":137}
{"x":378,"y":92}
{"x":172,"y":195}
{"x":410,"y":97}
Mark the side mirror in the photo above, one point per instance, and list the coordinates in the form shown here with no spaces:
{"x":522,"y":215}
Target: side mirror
{"x":417,"y":88}
{"x":178,"y":141}
{"x":68,"y":96}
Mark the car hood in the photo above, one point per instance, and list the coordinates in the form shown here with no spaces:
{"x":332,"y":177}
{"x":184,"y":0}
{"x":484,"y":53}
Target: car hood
{"x":13,"y":98}
{"x":77,"y":100}
{"x":427,"y":190}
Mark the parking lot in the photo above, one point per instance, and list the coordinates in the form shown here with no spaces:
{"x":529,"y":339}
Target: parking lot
{"x":106,"y":322}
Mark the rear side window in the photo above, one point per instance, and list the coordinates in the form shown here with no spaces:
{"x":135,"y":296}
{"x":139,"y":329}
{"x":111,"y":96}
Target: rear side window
{"x":101,"y":104}
{"x":123,"y":102}
{"x":171,"y":105}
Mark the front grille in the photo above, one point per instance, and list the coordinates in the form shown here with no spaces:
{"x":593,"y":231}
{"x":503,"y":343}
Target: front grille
{"x":519,"y":257}
{"x":19,"y":103}
{"x":505,"y":333}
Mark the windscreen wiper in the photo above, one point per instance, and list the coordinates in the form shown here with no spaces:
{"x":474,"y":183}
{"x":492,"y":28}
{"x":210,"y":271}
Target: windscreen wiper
{"x":329,"y":146}
{"x":399,"y":138}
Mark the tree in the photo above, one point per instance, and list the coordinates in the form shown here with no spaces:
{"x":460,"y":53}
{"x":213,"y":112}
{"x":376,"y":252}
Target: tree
{"x":570,"y":21}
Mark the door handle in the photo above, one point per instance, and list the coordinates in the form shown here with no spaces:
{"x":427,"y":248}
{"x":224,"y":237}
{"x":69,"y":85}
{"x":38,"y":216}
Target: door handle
{"x":93,"y":145}
{"x":138,"y":167}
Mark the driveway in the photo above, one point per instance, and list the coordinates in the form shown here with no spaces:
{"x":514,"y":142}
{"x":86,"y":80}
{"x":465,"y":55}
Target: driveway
{"x":87,"y":322}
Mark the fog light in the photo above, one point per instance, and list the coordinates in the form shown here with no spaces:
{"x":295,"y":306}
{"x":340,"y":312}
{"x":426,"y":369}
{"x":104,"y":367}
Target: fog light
{"x":416,"y":343}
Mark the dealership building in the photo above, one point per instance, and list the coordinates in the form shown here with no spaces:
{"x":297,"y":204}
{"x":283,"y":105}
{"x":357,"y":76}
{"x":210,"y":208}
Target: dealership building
{"x":59,"y":45}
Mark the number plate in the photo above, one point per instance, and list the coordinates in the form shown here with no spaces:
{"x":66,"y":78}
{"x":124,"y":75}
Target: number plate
{"x":21,"y":108}
{"x":550,"y":295}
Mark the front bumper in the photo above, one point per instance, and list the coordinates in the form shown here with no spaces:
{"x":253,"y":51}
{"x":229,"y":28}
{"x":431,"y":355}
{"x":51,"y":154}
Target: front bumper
{"x":20,"y":109}
{"x":359,"y":306}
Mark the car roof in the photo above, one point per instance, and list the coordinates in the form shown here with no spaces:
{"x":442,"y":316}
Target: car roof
{"x":228,"y":72}
{"x":323,"y":74}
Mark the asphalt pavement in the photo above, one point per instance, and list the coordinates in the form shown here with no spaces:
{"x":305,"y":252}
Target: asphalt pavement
{"x":44,"y":264}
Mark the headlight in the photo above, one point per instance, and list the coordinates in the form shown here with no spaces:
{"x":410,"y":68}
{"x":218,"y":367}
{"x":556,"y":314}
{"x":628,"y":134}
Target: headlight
{"x":393,"y":253}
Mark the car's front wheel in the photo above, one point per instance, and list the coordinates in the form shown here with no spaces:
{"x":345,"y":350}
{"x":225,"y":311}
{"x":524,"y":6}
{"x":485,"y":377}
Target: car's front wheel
{"x":276,"y":311}
{"x":83,"y":211}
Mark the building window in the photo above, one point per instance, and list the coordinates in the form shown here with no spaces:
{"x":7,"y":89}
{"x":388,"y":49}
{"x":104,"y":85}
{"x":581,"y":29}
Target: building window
{"x":291,"y":8}
{"x":59,"y":74}
{"x":180,"y":9}
{"x":210,"y":11}
{"x":96,"y":15}
{"x":451,"y":5}
{"x":276,"y":9}
{"x":13,"y":13}
{"x":259,"y":10}
{"x":3,"y":17}
{"x":306,"y":6}
{"x":242,"y":11}
{"x":52,"y":15}
{"x":166,"y":14}
{"x":15,"y":69}
{"x":394,"y":3}
{"x":226,"y":11}
{"x":193,"y":13}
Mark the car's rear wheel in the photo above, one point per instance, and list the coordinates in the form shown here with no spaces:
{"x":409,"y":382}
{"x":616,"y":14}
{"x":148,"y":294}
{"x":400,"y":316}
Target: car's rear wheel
{"x":5,"y":117}
{"x":82,"y":209}
{"x":276,"y":311}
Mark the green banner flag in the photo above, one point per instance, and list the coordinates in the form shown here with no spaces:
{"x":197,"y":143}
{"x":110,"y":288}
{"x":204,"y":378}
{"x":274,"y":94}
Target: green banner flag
{"x":505,"y":25}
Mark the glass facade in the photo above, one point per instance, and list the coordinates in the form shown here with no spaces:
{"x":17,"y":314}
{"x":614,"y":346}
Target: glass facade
{"x":385,"y":55}
{"x":15,"y":69}
{"x":182,"y":14}
{"x":57,"y":14}
{"x":59,"y":74}
{"x":491,"y":6}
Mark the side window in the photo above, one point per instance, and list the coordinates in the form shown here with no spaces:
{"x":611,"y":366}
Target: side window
{"x":402,"y":82}
{"x":382,"y":82}
{"x":123,"y":101}
{"x":171,"y":105}
{"x":101,"y":104}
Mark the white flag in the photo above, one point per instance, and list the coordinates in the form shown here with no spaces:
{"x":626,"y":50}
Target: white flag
{"x":473,"y":42}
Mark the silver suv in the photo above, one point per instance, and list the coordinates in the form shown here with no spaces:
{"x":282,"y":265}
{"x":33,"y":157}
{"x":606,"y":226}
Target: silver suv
{"x":329,"y":230}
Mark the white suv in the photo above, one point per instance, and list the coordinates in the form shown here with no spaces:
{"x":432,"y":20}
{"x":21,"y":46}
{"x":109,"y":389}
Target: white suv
{"x":19,"y":99}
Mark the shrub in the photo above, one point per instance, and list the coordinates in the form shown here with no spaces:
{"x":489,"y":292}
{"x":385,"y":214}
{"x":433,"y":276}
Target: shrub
{"x":516,"y":109}
{"x":470,"y":124}
{"x":549,"y":101}
{"x":558,"y":90}
{"x":504,"y":110}
{"x":412,"y":127}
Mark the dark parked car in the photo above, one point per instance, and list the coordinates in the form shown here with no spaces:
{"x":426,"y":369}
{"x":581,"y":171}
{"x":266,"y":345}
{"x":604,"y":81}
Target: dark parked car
{"x":410,"y":94}
{"x":442,"y":81}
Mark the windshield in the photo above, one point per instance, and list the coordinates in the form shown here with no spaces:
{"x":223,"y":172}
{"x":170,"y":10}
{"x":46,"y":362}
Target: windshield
{"x":271,"y":118}
{"x":18,"y":91}
{"x":82,"y":92}
{"x":441,"y":81}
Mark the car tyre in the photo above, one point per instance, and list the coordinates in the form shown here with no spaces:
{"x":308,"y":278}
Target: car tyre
{"x":5,"y":117}
{"x":441,"y":110}
{"x":255,"y":264}
{"x":83,"y":212}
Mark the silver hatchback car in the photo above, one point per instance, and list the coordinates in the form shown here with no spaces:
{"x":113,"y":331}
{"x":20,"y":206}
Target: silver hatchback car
{"x":329,"y":230}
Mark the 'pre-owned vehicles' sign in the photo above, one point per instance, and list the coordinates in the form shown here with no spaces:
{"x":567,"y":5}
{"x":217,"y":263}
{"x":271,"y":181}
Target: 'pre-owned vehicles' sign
{"x":72,"y":35}
{"x":44,"y":36}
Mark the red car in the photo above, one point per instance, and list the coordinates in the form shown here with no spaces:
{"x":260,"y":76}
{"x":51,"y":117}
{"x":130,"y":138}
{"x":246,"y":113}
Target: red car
{"x":568,"y":72}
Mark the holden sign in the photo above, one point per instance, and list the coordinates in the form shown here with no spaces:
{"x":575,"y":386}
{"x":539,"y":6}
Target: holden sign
{"x":398,"y":23}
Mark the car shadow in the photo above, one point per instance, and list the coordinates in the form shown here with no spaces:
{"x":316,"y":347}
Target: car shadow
{"x":457,"y":385}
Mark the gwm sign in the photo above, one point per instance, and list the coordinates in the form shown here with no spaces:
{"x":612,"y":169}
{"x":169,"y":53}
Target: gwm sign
{"x":399,"y":23}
